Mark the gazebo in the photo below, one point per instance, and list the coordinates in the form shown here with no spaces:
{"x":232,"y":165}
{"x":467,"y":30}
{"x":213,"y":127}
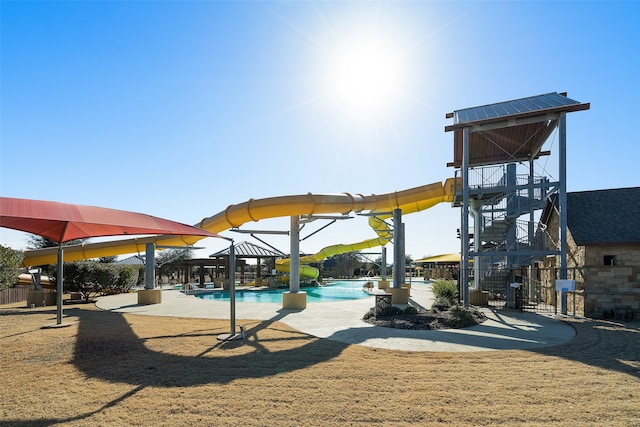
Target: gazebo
{"x":219,"y":263}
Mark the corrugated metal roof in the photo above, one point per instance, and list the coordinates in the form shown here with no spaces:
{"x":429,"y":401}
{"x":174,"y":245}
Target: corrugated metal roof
{"x":502,"y":110}
{"x":510,"y":131}
{"x":248,"y":250}
{"x":132,"y":260}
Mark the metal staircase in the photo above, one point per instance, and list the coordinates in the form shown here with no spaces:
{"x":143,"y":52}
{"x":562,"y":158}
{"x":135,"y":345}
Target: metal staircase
{"x":504,"y":205}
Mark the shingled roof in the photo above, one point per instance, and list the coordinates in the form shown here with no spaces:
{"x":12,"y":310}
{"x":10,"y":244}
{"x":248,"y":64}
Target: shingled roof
{"x":604,"y":216}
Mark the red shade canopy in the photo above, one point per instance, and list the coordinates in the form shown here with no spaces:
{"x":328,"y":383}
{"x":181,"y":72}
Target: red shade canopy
{"x":62,"y":222}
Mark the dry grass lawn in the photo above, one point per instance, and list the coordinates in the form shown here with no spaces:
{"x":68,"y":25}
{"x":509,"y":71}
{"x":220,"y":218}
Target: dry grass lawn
{"x":114,"y":369}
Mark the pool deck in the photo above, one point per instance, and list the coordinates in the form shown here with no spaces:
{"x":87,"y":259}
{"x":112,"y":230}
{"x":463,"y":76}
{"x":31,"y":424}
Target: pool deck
{"x":342,"y":321}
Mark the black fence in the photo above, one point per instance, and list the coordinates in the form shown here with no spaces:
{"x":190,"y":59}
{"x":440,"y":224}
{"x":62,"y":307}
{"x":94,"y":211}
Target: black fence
{"x":527,"y":289}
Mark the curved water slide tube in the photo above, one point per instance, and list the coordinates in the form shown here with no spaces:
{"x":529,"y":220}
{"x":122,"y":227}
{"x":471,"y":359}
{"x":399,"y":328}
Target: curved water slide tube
{"x":410,"y":201}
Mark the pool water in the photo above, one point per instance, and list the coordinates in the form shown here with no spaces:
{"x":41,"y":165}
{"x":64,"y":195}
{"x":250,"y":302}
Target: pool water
{"x":338,"y":291}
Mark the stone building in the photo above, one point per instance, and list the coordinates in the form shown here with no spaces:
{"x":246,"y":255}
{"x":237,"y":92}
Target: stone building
{"x":603,"y":251}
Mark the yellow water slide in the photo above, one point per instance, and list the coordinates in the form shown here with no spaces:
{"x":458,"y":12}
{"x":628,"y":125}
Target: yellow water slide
{"x":410,"y":201}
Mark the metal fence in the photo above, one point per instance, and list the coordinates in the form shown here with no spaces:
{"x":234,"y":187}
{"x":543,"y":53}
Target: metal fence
{"x":536,"y":291}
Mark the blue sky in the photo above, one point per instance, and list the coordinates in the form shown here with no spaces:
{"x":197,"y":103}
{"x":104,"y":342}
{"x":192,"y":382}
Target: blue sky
{"x":179,"y":109}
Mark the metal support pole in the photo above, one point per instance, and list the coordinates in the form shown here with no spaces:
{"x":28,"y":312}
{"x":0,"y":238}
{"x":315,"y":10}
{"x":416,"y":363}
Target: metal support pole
{"x":150,"y":266}
{"x":294,"y":270}
{"x":403,"y":257}
{"x":60,"y":285}
{"x":563,"y":205}
{"x":398,"y":255}
{"x":476,"y":210}
{"x":531,"y":229}
{"x":232,"y":299}
{"x":383,"y":266}
{"x":464,"y":227}
{"x":232,"y":287}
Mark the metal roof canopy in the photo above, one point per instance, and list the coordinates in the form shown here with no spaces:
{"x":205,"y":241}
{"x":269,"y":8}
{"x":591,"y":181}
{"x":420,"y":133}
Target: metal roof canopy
{"x":509,"y":131}
{"x":249,"y":250}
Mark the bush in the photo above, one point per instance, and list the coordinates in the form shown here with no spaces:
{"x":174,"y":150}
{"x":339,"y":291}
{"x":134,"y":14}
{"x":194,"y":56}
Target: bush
{"x":441,"y":304}
{"x":369,"y":314}
{"x":391,"y":310}
{"x":90,"y":277}
{"x":127,"y":278}
{"x":410,"y":310}
{"x":446,"y":289}
{"x":10,"y":260}
{"x":461,"y":317}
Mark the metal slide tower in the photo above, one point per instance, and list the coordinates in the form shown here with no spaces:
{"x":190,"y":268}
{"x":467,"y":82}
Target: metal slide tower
{"x":495,"y":151}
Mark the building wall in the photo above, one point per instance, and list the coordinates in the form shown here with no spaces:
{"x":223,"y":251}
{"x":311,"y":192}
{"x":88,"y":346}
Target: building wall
{"x":612,"y":290}
{"x":602,"y":291}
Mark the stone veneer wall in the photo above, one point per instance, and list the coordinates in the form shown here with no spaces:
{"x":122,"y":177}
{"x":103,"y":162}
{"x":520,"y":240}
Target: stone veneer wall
{"x":602,"y":291}
{"x":612,"y":290}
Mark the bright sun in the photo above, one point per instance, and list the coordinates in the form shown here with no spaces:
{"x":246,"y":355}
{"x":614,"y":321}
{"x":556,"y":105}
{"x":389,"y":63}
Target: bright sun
{"x":364,"y":77}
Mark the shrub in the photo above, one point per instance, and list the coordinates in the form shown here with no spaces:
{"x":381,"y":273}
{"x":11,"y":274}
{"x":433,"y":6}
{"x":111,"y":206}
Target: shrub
{"x":441,"y":304}
{"x":391,"y":310}
{"x":10,"y":260}
{"x":90,"y":277}
{"x":369,"y":314}
{"x":410,"y":310}
{"x":461,"y":317}
{"x":127,"y":278}
{"x":447,"y":289}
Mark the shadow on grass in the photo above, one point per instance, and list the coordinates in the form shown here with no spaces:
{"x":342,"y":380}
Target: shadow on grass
{"x":108,"y":349}
{"x":611,"y":345}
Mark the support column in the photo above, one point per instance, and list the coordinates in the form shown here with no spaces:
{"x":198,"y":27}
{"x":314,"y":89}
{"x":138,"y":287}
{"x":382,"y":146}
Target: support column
{"x":150,"y":266}
{"x":294,"y":299}
{"x":59,"y":285}
{"x":232,"y":300}
{"x":383,"y":283}
{"x":383,"y":267}
{"x":464,"y":226}
{"x":399,"y":294}
{"x":562,"y":207}
{"x":60,"y":291}
{"x":398,"y":269}
{"x":476,"y":209}
{"x":150,"y":295}
{"x":531,"y":231}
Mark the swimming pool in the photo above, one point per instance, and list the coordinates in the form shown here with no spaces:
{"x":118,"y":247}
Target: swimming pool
{"x":338,"y":291}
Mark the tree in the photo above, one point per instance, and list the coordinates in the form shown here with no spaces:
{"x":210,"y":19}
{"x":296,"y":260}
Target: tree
{"x":10,"y":261}
{"x":38,"y":242}
{"x":167,"y":262}
{"x":347,"y":264}
{"x":91,"y":277}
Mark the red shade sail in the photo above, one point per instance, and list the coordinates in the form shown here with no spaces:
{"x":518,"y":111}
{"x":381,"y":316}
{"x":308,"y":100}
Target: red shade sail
{"x":62,"y":222}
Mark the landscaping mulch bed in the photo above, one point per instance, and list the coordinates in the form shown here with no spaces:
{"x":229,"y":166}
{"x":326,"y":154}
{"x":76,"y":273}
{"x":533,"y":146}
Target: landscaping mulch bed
{"x":424,"y":320}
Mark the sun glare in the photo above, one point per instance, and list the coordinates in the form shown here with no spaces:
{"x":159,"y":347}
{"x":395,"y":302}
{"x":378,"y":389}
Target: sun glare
{"x":364,"y":78}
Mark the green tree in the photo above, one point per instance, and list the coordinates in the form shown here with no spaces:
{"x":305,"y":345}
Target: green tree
{"x":347,"y":264}
{"x":168,"y":261}
{"x":10,"y":261}
{"x":39,"y":242}
{"x":92,"y":277}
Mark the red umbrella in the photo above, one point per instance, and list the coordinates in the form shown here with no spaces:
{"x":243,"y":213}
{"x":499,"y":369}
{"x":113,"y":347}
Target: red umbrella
{"x":62,"y":222}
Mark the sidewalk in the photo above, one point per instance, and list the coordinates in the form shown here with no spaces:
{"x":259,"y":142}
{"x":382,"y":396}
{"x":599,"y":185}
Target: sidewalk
{"x":342,"y":321}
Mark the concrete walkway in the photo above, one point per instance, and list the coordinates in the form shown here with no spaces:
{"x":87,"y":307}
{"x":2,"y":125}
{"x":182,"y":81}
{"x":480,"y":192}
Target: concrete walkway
{"x":342,"y":321}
